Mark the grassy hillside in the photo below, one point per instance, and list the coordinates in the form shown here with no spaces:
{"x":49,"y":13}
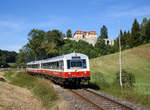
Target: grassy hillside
{"x":135,"y":60}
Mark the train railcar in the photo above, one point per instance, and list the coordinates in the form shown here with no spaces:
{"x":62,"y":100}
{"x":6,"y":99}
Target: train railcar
{"x":71,"y":68}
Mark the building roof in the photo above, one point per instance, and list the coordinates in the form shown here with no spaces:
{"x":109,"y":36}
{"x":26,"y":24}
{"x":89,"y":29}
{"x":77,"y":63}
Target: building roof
{"x":85,"y":32}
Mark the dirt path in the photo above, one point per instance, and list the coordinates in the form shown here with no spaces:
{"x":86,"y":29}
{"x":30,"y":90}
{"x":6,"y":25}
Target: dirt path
{"x":17,"y":98}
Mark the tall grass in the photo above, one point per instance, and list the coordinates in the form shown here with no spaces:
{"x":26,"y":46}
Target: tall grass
{"x":41,"y":88}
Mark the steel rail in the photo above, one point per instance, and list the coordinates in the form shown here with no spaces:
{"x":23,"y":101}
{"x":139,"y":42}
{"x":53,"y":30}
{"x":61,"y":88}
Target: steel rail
{"x":87,"y":100}
{"x":112,"y":103}
{"x":109,"y":99}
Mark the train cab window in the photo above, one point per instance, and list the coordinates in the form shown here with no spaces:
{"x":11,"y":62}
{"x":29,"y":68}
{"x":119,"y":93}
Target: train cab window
{"x":76,"y":64}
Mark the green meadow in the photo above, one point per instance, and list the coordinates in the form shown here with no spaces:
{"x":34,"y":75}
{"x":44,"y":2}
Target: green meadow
{"x":135,"y":60}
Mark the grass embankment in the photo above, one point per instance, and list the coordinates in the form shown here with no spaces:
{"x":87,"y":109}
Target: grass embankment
{"x":41,"y":88}
{"x":137,"y":61}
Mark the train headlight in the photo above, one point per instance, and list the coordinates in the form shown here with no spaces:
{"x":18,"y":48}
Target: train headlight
{"x":84,"y":72}
{"x":69,"y":73}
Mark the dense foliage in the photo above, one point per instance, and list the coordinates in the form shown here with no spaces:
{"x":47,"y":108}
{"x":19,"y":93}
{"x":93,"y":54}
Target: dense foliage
{"x":49,"y":44}
{"x":7,"y":57}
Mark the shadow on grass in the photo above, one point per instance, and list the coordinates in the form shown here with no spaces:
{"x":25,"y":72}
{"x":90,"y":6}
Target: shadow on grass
{"x":93,"y":86}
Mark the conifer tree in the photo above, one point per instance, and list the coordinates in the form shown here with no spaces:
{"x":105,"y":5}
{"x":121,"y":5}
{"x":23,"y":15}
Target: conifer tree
{"x":147,"y":31}
{"x":128,"y":39}
{"x":143,"y":30}
{"x":103,"y":32}
{"x":135,"y":34}
{"x":69,"y":33}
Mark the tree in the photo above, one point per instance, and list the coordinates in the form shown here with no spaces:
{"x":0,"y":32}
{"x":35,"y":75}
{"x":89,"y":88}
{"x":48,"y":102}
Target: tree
{"x":144,"y":22}
{"x":68,"y":47}
{"x":103,"y":32}
{"x":7,"y":57}
{"x":124,"y":40}
{"x":25,"y":55}
{"x":129,"y":43}
{"x":69,"y":33}
{"x":102,"y":48}
{"x":115,"y":47}
{"x":147,"y":31}
{"x":79,"y":47}
{"x":143,"y":30}
{"x":53,"y":40}
{"x":35,"y":39}
{"x":135,"y":34}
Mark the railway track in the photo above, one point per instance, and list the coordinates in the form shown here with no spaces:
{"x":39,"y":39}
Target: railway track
{"x":97,"y":101}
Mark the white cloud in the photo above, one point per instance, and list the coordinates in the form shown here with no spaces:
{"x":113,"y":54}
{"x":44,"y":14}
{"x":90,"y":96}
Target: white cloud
{"x":10,"y":24}
{"x":47,"y":24}
{"x":128,"y":11}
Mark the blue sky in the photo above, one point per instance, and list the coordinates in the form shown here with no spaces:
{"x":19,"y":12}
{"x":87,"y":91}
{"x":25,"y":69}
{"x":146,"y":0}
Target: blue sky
{"x":18,"y":17}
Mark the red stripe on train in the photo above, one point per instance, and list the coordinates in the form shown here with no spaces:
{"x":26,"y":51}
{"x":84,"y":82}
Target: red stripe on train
{"x":61,"y":74}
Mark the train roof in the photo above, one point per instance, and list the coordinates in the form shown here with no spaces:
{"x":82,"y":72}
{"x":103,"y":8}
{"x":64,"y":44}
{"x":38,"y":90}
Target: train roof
{"x":67,"y":56}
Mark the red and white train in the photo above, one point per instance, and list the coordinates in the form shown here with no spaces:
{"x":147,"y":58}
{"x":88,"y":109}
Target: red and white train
{"x":71,"y":68}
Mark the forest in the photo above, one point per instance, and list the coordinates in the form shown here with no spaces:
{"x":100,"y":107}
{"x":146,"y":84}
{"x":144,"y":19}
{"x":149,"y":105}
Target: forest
{"x":7,"y":57}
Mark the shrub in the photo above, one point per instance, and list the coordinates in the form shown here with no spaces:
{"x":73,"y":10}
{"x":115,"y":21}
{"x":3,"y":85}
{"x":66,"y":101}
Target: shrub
{"x":128,"y":79}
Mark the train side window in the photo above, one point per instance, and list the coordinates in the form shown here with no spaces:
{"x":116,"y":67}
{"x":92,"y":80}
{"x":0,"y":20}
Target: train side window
{"x":28,"y":66}
{"x":68,"y":64}
{"x":57,"y":65}
{"x":50,"y":65}
{"x":53,"y":65}
{"x":35,"y":66}
{"x":84,"y":63}
{"x":61,"y":65}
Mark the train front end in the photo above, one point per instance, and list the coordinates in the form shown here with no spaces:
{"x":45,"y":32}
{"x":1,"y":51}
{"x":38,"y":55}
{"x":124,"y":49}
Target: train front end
{"x":76,"y":68}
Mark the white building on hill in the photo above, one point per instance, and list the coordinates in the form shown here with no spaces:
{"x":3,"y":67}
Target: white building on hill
{"x":109,"y":42}
{"x":90,"y":37}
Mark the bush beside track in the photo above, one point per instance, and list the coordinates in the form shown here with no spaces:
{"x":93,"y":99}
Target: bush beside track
{"x":41,"y":88}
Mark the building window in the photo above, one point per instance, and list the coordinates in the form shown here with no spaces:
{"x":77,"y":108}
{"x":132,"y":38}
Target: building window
{"x":108,"y":42}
